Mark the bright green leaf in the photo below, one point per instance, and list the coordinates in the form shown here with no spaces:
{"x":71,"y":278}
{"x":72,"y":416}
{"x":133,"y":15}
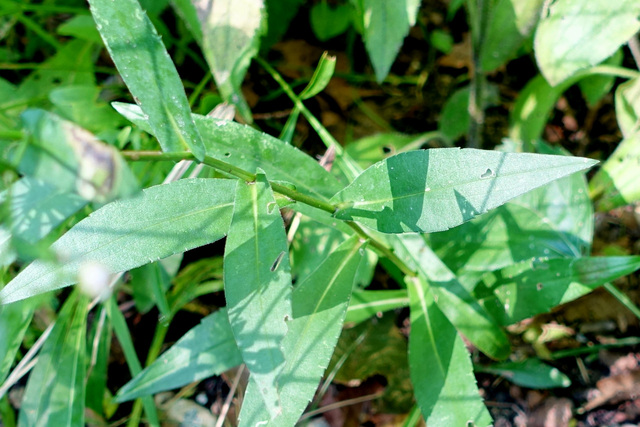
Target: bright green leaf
{"x":128,"y":233}
{"x":366,"y":304}
{"x":575,"y":34}
{"x":616,"y":183}
{"x":98,"y":349}
{"x":529,"y":288}
{"x":150,"y":75}
{"x":441,"y":370}
{"x":81,"y":27}
{"x":257,"y":286}
{"x":319,"y":307}
{"x":81,"y":105}
{"x":436,"y":189}
{"x":321,"y":76}
{"x":328,"y":22}
{"x":595,"y":87}
{"x":373,"y":148}
{"x":207,"y":349}
{"x":14,"y":321}
{"x":231,"y":32}
{"x":628,"y":107}
{"x":530,"y":373}
{"x":55,"y":392}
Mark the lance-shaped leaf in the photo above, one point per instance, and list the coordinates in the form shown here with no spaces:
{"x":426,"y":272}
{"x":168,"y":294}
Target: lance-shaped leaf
{"x":436,"y":189}
{"x":14,"y":321}
{"x":55,"y":393}
{"x":207,"y":349}
{"x":576,"y":34}
{"x":231,"y":32}
{"x":249,"y":149}
{"x":257,"y":286}
{"x":150,"y":75}
{"x":441,"y":371}
{"x":453,"y":299}
{"x":529,"y":288}
{"x":628,"y":107}
{"x":531,"y":373}
{"x":616,"y":183}
{"x":128,"y":233}
{"x":319,"y":307}
{"x":366,"y":304}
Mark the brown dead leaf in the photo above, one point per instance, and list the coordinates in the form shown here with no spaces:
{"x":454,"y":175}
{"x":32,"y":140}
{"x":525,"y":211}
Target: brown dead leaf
{"x":615,"y":389}
{"x":460,"y":56}
{"x":555,"y":412}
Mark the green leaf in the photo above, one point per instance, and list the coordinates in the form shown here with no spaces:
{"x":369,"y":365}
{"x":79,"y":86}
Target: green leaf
{"x":319,"y":307}
{"x":373,"y":148}
{"x":366,"y":304}
{"x":436,"y":189}
{"x":531,"y":373}
{"x":528,"y":288}
{"x":36,"y":208}
{"x":207,"y":349}
{"x":150,"y":283}
{"x":595,"y":87}
{"x":575,"y":34}
{"x":510,"y":23}
{"x":14,"y":321}
{"x":125,"y":234}
{"x":231,"y":31}
{"x":98,"y":347}
{"x":55,"y":392}
{"x":328,"y":22}
{"x":280,"y":13}
{"x":628,"y":107}
{"x":150,"y":75}
{"x":81,"y":27}
{"x":321,"y":76}
{"x":385,"y":25}
{"x":257,"y":286}
{"x":250,"y":149}
{"x":71,"y":158}
{"x":441,"y":369}
{"x":455,"y":120}
{"x":453,"y":298}
{"x":81,"y":105}
{"x":186,"y":10}
{"x":616,"y":183}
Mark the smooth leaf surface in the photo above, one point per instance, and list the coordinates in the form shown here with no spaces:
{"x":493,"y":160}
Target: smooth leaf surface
{"x":628,"y":107}
{"x":250,"y":149}
{"x":321,"y":76}
{"x":125,"y":234}
{"x":14,"y":321}
{"x":366,"y":304}
{"x":385,"y":25}
{"x":530,"y":373}
{"x":616,"y":183}
{"x":436,"y":189}
{"x":511,"y":22}
{"x":319,"y":307}
{"x":328,"y":22}
{"x":529,"y":288}
{"x":207,"y":349}
{"x":594,"y":88}
{"x":231,"y":32}
{"x":371,"y":149}
{"x":55,"y":392}
{"x":453,"y":298}
{"x":441,"y":369}
{"x":575,"y":34}
{"x":150,"y":75}
{"x":257,"y":286}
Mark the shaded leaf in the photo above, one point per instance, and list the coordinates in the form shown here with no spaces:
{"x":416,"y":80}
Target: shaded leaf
{"x":531,"y":373}
{"x":319,"y":306}
{"x":373,"y":148}
{"x":207,"y":349}
{"x":628,"y":107}
{"x":150,"y":75}
{"x":366,"y":304}
{"x":81,"y":27}
{"x":595,"y":87}
{"x":328,"y":22}
{"x":575,"y":34}
{"x":14,"y":321}
{"x":98,"y":349}
{"x":125,"y":234}
{"x":257,"y":286}
{"x":441,"y":369}
{"x":436,"y":189}
{"x":60,"y":372}
{"x":529,"y":288}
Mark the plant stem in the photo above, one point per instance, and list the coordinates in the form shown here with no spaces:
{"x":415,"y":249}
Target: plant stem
{"x":478,"y":9}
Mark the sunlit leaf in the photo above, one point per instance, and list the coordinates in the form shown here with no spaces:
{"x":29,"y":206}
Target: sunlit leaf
{"x":60,"y":372}
{"x":257,"y":286}
{"x":628,"y":107}
{"x":150,"y":75}
{"x":366,"y":304}
{"x":575,"y":34}
{"x":441,"y":369}
{"x":595,"y":87}
{"x":436,"y":189}
{"x":207,"y":349}
{"x":319,"y":307}
{"x":529,"y":288}
{"x":128,"y":233}
{"x":14,"y":321}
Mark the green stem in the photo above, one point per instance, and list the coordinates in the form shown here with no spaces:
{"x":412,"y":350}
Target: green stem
{"x":285,"y":191}
{"x":623,"y":298}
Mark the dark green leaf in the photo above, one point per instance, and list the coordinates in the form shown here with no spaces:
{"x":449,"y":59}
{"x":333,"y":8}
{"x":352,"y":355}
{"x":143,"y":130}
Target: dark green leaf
{"x":14,"y":321}
{"x":328,"y":22}
{"x":436,"y":189}
{"x":531,"y":373}
{"x":595,"y":87}
{"x":366,"y":304}
{"x":125,"y":234}
{"x":150,"y":75}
